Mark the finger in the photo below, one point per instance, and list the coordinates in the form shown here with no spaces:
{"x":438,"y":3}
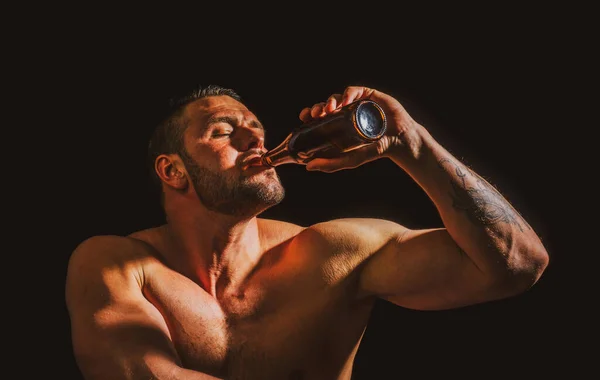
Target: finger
{"x":317,"y":110}
{"x":333,"y":102}
{"x":353,"y":93}
{"x":328,"y":165}
{"x":305,"y":115}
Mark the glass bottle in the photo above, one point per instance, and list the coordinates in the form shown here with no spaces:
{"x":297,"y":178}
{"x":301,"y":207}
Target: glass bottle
{"x":357,"y":124}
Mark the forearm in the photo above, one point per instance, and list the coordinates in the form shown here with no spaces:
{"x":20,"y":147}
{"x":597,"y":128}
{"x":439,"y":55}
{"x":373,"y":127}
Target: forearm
{"x":170,"y":372}
{"x":480,"y":220}
{"x":186,"y":374}
{"x":131,"y":367}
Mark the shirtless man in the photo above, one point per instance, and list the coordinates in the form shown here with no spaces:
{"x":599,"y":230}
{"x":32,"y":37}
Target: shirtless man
{"x":219,"y":293}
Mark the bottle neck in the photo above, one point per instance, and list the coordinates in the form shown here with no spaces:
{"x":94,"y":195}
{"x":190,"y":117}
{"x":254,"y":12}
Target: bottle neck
{"x":279,"y":155}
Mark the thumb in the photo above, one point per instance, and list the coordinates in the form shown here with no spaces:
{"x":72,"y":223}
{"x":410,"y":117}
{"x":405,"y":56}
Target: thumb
{"x":346,"y":160}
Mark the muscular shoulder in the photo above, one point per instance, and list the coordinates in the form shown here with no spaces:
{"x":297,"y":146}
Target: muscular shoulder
{"x":100,"y":258}
{"x":344,"y":244}
{"x":359,"y":235}
{"x":109,"y":250}
{"x":274,"y":232}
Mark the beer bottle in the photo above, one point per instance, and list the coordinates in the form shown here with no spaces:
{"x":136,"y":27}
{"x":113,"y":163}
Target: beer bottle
{"x":357,"y":124}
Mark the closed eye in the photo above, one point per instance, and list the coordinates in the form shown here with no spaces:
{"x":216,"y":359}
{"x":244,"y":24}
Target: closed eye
{"x":221,"y":134}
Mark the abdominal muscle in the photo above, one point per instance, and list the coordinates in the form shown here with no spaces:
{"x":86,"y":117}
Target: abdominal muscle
{"x":285,"y":324}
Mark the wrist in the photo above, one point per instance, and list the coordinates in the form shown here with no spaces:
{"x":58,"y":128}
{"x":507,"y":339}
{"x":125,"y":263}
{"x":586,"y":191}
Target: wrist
{"x":409,"y":145}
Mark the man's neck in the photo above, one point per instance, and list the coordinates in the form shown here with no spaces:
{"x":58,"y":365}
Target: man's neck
{"x":212,"y":249}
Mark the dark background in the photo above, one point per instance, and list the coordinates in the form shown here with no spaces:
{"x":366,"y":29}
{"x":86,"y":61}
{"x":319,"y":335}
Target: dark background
{"x":490,"y":92}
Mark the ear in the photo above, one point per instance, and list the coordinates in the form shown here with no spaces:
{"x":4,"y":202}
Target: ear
{"x":171,"y":171}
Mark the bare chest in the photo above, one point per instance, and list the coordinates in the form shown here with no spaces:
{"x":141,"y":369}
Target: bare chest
{"x":282,"y":325}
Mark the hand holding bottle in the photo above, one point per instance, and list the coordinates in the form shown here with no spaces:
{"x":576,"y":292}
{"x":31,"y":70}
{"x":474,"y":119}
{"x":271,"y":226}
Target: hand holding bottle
{"x":400,"y":131}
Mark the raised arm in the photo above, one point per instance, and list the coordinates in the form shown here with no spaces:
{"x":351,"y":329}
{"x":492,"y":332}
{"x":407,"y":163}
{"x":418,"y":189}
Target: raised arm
{"x":485,"y":251}
{"x":116,"y":332}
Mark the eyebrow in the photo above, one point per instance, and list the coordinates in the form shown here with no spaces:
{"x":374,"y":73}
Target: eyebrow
{"x":230,"y":120}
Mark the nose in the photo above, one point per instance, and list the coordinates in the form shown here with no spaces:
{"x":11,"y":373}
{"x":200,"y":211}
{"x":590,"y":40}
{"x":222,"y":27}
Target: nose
{"x":251,"y":138}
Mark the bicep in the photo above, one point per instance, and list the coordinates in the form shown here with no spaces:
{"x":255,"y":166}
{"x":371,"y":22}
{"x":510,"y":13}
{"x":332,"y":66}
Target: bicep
{"x":116,"y":333}
{"x":426,"y":270}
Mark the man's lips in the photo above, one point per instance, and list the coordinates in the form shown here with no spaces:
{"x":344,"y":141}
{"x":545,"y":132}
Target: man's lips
{"x":252,"y":162}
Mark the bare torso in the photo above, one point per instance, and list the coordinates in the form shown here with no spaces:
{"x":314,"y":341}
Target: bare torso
{"x":291,"y":319}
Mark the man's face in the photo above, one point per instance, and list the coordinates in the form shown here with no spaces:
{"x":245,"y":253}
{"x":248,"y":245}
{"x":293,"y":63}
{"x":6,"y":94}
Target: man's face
{"x":222,"y":142}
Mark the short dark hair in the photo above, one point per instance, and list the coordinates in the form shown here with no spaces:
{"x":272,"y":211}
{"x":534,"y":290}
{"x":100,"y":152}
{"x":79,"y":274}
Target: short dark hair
{"x":167,"y":137}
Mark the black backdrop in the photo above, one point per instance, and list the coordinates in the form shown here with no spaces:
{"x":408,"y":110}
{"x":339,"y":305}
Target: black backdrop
{"x":489,"y":101}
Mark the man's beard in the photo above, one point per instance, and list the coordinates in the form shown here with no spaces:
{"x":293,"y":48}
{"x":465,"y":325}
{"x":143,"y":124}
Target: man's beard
{"x":243,"y":197}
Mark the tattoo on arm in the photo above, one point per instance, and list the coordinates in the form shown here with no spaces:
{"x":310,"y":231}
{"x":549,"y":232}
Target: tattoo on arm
{"x":481,"y":201}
